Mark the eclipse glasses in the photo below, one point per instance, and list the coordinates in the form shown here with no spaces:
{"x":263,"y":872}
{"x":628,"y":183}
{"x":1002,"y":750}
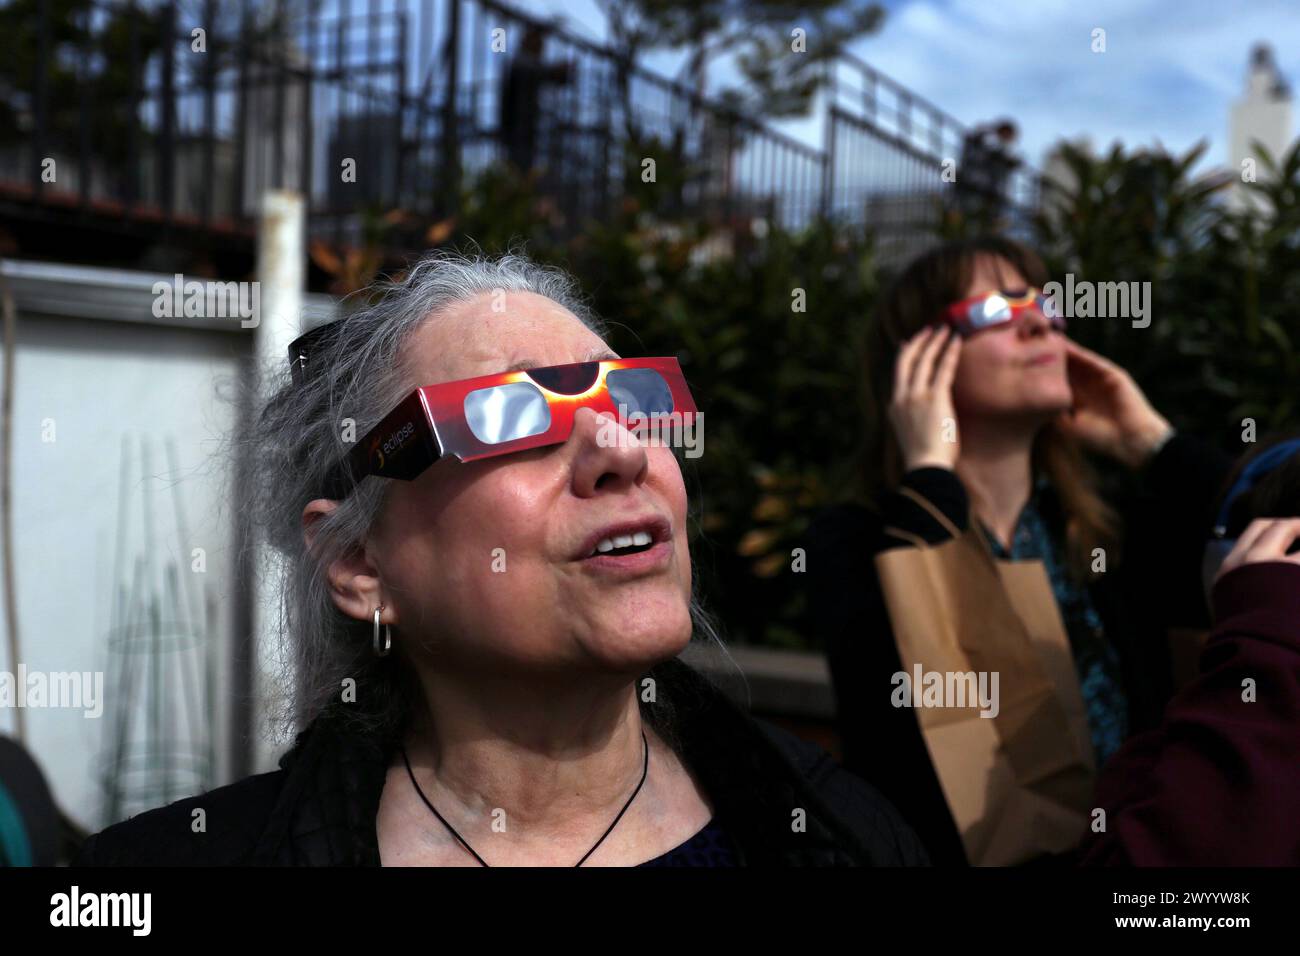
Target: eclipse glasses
{"x":501,"y":413}
{"x":994,"y":309}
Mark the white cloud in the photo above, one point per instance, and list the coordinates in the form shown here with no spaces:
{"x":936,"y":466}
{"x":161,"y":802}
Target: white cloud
{"x":1170,"y":71}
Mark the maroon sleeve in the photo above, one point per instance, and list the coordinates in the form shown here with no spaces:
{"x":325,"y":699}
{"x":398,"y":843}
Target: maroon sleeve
{"x":1218,"y":782}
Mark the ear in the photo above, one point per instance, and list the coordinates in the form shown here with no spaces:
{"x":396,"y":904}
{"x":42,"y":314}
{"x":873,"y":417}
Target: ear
{"x":353,"y":579}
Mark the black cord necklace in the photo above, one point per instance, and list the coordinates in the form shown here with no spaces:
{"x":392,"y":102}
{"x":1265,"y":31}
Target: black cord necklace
{"x":645,"y":768}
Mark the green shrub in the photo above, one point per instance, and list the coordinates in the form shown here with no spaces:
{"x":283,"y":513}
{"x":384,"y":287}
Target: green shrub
{"x":779,"y":387}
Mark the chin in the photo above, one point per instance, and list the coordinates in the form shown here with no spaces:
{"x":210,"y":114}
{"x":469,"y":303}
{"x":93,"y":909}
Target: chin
{"x":1052,"y":407}
{"x":645,"y":637}
{"x":1049,"y":400}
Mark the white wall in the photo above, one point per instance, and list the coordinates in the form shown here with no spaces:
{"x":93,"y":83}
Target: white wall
{"x":93,"y":365}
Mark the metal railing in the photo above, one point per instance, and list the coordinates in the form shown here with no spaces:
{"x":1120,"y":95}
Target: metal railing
{"x":898,"y":163}
{"x":128,"y":113}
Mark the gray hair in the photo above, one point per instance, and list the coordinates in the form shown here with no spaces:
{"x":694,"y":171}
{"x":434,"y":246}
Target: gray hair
{"x":297,"y":437}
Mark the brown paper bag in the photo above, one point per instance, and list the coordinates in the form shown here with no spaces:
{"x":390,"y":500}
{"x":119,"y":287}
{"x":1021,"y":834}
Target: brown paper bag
{"x":1018,"y":784}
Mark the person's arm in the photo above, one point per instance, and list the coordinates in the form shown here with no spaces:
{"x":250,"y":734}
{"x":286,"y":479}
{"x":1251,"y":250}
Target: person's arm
{"x":1169,"y":522}
{"x":924,"y":420}
{"x":1166,"y":526}
{"x":1216,"y":783}
{"x":903,"y":518}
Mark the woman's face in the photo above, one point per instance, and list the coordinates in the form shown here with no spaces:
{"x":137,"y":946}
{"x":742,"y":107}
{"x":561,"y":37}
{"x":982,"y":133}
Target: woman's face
{"x":1013,"y":370}
{"x":485,"y":563}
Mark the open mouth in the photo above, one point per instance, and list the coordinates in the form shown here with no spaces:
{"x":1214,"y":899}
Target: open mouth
{"x":623,"y":559}
{"x":623,"y":544}
{"x":630,"y":549}
{"x":631,"y":546}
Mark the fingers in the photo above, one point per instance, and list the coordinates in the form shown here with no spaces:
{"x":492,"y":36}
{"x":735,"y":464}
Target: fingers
{"x":1275,"y":539}
{"x":905,"y":368}
{"x":1088,"y":358}
{"x":1265,"y":539}
{"x":923,"y":370}
{"x":1246,"y":540}
{"x":947,"y":370}
{"x":903,"y":364}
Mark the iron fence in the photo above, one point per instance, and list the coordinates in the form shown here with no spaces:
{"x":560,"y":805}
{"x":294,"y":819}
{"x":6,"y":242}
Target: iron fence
{"x":186,"y":112}
{"x":898,"y":163}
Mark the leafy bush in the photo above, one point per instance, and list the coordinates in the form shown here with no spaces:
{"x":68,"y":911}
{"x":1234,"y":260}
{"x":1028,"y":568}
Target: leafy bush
{"x":779,"y":386}
{"x":1222,"y":343}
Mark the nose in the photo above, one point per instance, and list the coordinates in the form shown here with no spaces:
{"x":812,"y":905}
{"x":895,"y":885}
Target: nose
{"x":606,"y":455}
{"x":1034,"y":323}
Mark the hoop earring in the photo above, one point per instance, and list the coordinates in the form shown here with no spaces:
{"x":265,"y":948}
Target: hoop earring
{"x":388,"y":636}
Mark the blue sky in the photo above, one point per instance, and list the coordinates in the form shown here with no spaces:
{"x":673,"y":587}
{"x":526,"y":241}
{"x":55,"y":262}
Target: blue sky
{"x":1171,"y":70}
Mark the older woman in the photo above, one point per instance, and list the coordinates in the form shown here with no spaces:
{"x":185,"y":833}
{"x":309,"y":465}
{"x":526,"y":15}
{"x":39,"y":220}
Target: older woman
{"x":485,"y":596}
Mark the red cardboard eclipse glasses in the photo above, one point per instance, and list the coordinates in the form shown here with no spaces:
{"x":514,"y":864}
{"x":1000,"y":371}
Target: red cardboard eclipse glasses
{"x":993,"y":309}
{"x":502,"y":413}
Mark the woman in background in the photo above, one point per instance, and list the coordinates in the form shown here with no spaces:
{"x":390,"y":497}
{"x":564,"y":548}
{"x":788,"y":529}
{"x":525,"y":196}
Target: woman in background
{"x":1025,"y":401}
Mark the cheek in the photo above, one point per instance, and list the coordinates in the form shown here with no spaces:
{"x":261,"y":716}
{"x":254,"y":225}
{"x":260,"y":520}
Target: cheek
{"x":668,"y":484}
{"x":497,"y":536}
{"x":981,"y":373}
{"x":1057,"y":378}
{"x":458,"y":554}
{"x":413,"y":563}
{"x":672,"y":488}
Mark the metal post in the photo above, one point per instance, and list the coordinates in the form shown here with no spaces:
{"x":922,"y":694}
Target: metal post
{"x":306,"y":137}
{"x":828,"y":146}
{"x":450,"y":187}
{"x":86,"y":160}
{"x":241,"y":114}
{"x":209,"y":107}
{"x":167,"y":110}
{"x":41,"y":87}
{"x":133,"y":116}
{"x":400,"y":92}
{"x":281,"y":274}
{"x":279,"y":50}
{"x":341,"y":51}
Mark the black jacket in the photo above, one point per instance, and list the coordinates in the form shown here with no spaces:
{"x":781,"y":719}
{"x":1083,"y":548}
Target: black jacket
{"x":319,"y":808}
{"x":1156,"y":586}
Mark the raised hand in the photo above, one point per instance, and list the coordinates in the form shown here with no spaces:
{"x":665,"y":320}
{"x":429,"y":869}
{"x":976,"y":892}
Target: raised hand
{"x":1265,"y":539}
{"x":1110,"y":414}
{"x":921,"y":409}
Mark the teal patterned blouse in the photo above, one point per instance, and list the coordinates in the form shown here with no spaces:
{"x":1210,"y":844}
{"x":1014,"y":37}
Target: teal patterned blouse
{"x":1094,"y":657}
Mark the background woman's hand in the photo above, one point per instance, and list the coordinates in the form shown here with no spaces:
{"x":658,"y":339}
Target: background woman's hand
{"x":1110,"y":414}
{"x":921,"y":409}
{"x":1265,"y":539}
